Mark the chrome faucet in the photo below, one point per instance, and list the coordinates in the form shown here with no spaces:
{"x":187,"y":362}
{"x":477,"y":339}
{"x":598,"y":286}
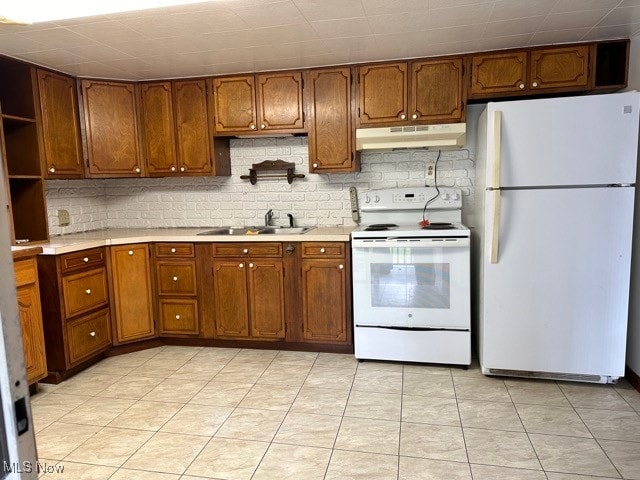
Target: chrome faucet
{"x":267,"y":218}
{"x":290,"y":220}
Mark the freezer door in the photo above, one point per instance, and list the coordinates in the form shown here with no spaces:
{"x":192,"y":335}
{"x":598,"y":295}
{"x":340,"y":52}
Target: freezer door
{"x":589,"y":140}
{"x":557,"y":298}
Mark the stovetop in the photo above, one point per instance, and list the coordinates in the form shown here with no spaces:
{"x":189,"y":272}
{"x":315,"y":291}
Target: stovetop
{"x":413,"y":230}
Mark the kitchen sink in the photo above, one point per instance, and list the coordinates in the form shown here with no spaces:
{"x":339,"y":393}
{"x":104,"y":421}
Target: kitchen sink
{"x":257,"y":231}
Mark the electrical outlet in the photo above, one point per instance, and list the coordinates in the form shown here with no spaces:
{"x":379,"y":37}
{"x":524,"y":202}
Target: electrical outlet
{"x":431,"y":171}
{"x":63,"y":218}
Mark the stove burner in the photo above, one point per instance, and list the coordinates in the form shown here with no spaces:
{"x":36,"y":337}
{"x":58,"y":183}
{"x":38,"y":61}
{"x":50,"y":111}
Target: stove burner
{"x":380,"y":226}
{"x":439,"y":226}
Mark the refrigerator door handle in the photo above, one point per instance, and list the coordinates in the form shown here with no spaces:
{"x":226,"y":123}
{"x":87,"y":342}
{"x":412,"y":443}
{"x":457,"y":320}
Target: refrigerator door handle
{"x":497,"y":147}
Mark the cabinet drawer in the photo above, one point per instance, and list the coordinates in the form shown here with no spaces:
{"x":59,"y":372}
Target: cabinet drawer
{"x":83,"y":259}
{"x":179,"y":317}
{"x":88,"y":335}
{"x":169,"y":250}
{"x":176,"y":278}
{"x":26,"y":272}
{"x":84,"y":291}
{"x":323,"y":250}
{"x":247,"y":249}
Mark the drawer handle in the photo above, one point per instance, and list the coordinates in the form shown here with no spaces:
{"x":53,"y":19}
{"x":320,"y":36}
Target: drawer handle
{"x":175,"y":279}
{"x":177,"y":317}
{"x":241,"y":265}
{"x":92,"y":334}
{"x":322,"y":250}
{"x":137,"y":169}
{"x":130,"y":252}
{"x":85,"y":259}
{"x":88,"y":291}
{"x":173,"y":250}
{"x":251,"y":265}
{"x":246,"y":250}
{"x":340,"y":267}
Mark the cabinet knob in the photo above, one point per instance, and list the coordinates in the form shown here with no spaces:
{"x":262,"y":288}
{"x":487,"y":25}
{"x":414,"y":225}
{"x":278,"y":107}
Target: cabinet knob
{"x":130,"y":252}
{"x":241,"y":265}
{"x":251,"y":265}
{"x":137,"y":169}
{"x":52,"y":169}
{"x":521,"y":86}
{"x":173,"y":169}
{"x":414,"y":116}
{"x":92,"y":334}
{"x":315,"y":165}
{"x":182,"y":169}
{"x":340,"y":266}
{"x":177,"y":317}
{"x":262,"y":125}
{"x":85,"y":259}
{"x":534,"y":84}
{"x":252,"y":126}
{"x":246,"y":250}
{"x":175,"y":279}
{"x":322,"y":250}
{"x":290,"y":249}
{"x":403,"y":116}
{"x":173,"y":250}
{"x":88,"y":291}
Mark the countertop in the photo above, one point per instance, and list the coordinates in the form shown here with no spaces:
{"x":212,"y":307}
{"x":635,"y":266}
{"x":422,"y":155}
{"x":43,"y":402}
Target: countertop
{"x":20,"y":253}
{"x":121,"y":236}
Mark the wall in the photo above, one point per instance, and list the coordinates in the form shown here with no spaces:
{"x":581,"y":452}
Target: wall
{"x":633,"y":336}
{"x":206,"y":201}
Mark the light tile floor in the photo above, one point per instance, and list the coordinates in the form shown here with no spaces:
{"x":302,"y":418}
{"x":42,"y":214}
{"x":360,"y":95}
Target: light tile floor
{"x":191,"y":413}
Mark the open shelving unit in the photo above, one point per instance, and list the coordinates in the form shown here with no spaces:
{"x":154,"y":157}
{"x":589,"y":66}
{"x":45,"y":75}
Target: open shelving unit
{"x":21,"y":152}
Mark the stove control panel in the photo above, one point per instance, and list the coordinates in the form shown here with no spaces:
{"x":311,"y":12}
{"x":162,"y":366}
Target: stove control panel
{"x":411,"y":199}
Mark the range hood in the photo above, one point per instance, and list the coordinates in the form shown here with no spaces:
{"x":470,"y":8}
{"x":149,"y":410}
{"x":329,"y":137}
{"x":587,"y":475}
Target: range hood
{"x":452,"y":135}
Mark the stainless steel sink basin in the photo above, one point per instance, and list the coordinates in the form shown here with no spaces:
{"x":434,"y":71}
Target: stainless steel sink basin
{"x":257,"y":231}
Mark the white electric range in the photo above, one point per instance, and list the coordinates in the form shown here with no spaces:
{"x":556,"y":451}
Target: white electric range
{"x":411,"y":285}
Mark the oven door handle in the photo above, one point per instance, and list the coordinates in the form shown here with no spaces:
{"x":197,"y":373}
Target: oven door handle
{"x":422,"y":243}
{"x":415,"y":329}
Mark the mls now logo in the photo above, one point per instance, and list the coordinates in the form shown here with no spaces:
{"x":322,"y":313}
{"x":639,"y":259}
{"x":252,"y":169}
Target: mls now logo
{"x":28,"y":467}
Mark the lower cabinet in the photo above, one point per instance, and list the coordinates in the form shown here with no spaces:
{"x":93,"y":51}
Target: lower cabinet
{"x":132,"y":294}
{"x":35,"y":361}
{"x":88,"y":334}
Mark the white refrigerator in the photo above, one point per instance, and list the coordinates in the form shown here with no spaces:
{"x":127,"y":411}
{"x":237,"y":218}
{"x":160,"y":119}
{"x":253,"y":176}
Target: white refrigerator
{"x":556,"y":185}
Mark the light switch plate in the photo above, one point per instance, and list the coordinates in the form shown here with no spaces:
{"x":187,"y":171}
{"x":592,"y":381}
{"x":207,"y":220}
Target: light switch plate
{"x":64,"y":218}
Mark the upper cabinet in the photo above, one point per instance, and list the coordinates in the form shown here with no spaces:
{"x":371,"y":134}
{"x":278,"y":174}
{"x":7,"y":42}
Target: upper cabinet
{"x":62,"y":150}
{"x":158,"y":134}
{"x":192,"y":127}
{"x":429,"y":91}
{"x":270,"y":102}
{"x":328,"y":101}
{"x":528,"y":72}
{"x":111,"y":127}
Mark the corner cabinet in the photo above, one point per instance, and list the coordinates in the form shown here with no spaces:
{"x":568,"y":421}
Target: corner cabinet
{"x":111,"y":129}
{"x":268,"y":102}
{"x":329,"y":99}
{"x":132,"y":294}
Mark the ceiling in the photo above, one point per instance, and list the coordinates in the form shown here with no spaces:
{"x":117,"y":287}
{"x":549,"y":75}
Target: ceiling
{"x":230,"y":36}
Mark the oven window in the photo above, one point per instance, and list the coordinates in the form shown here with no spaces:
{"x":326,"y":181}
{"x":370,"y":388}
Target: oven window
{"x":415,"y":285}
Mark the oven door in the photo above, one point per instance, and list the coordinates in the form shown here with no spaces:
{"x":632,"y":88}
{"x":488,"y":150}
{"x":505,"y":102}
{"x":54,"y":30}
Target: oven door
{"x":414,"y":283}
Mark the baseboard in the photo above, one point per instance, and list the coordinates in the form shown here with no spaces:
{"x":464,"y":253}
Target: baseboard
{"x":633,"y":378}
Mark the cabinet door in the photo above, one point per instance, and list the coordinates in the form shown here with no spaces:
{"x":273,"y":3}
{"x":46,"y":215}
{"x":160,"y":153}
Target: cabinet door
{"x":560,"y":68}
{"x":179,"y":317}
{"x":266,"y":298}
{"x":111,"y":129}
{"x":499,"y":73}
{"x":192,"y":127}
{"x":158,"y":138}
{"x":230,"y":290}
{"x":436,"y":91}
{"x":329,"y":124}
{"x":279,"y":98}
{"x":234,"y":104}
{"x":324,"y":291}
{"x":383,"y":93}
{"x":131,"y":282}
{"x":60,"y":126}
{"x":35,"y":359}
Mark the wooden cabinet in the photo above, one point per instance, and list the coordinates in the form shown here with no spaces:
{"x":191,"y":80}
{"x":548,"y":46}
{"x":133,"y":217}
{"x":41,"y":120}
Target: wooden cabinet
{"x":268,"y":102}
{"x":326,"y":293}
{"x":132,"y":294}
{"x":249,"y":292}
{"x":62,"y":151}
{"x":175,"y":131}
{"x":328,"y":102}
{"x":29,"y":309}
{"x":111,"y":128}
{"x":75,"y":305}
{"x":21,"y":152}
{"x":530,"y":72}
{"x":177,"y":289}
{"x":401,"y":93}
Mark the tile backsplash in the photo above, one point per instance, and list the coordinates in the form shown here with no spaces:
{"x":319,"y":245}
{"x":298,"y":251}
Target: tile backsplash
{"x":210,"y":201}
